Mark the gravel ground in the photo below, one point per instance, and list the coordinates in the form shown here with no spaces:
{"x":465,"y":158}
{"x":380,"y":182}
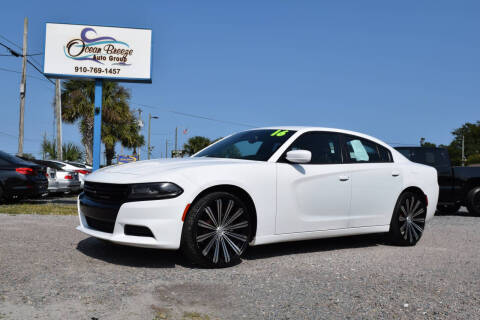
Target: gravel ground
{"x":48,"y":270}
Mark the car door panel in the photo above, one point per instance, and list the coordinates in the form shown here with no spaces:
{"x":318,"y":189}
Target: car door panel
{"x":375,"y":189}
{"x":311,"y":198}
{"x":376,"y":182}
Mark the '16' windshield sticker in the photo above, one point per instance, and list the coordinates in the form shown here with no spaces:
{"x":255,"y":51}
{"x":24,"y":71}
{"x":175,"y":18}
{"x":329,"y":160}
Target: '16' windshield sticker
{"x":279,"y":133}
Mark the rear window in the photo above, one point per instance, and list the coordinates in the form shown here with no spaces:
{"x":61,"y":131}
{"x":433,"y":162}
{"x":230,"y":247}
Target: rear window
{"x":13,"y":159}
{"x":428,"y":156}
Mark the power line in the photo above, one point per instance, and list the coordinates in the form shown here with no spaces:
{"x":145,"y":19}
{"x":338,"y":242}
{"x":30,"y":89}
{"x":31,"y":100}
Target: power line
{"x":191,"y":115}
{"x":11,"y":42}
{"x":16,"y":54}
{"x":16,"y":137}
{"x":15,"y":71}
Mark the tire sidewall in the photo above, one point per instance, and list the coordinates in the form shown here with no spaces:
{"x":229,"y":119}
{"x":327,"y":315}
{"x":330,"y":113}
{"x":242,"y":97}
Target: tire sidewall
{"x":395,"y":234}
{"x":470,"y":199}
{"x":188,"y":242}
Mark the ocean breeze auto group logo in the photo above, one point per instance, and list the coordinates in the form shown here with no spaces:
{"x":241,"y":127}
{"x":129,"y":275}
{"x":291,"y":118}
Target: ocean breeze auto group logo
{"x":103,"y":50}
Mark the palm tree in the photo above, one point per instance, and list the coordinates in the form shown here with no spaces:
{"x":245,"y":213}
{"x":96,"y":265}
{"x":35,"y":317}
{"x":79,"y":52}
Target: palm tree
{"x":49,"y":149}
{"x":70,"y":151}
{"x":117,"y":118}
{"x":195,"y":144}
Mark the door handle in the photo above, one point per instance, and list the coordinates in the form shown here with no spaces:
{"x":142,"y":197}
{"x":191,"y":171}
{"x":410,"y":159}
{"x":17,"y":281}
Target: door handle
{"x":344,"y":178}
{"x":395,"y":173}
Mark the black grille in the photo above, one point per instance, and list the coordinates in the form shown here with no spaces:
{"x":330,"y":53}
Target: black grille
{"x":109,"y":192}
{"x":100,"y":225}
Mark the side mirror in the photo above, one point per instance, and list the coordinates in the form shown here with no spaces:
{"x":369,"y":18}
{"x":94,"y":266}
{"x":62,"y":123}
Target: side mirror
{"x":299,"y":156}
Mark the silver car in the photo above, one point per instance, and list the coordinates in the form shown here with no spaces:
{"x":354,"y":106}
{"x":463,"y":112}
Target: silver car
{"x":60,"y":180}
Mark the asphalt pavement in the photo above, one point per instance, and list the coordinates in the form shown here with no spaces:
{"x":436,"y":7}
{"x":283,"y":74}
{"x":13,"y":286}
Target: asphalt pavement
{"x":48,"y":270}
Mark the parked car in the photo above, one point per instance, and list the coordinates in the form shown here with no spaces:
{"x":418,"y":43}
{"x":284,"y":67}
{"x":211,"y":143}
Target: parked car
{"x":79,"y":168}
{"x":60,"y":180}
{"x":20,"y":178}
{"x":459,"y":186}
{"x":261,"y":186}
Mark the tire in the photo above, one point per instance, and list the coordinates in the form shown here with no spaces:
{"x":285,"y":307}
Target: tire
{"x":217,"y":230}
{"x":448,"y":209}
{"x":473,"y":201}
{"x":408,"y":219}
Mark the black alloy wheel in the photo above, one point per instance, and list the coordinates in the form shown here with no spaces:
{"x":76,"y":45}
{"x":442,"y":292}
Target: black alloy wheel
{"x":473,"y":201}
{"x":217,"y":230}
{"x":408,"y":220}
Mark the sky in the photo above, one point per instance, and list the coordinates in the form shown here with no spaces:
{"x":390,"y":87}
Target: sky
{"x":398,"y":71}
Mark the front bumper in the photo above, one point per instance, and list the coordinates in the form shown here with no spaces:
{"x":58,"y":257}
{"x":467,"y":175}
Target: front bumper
{"x":162,"y":217}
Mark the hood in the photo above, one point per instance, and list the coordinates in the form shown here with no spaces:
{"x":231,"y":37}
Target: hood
{"x":149,"y":170}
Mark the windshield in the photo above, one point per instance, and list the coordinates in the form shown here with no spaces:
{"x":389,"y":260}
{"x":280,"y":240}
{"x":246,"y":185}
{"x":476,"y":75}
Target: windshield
{"x":257,"y":145}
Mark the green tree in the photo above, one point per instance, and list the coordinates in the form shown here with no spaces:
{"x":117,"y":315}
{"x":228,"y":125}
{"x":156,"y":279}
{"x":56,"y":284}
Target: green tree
{"x":195,"y":144}
{"x":471,"y":133}
{"x":118,"y":122}
{"x":427,"y":144}
{"x":70,"y":151}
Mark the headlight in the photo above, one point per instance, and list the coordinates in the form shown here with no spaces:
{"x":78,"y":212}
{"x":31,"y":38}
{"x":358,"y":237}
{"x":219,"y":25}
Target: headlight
{"x":152,"y":191}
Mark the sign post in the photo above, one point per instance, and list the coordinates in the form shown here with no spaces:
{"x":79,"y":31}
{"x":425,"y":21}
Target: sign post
{"x":97,"y":124}
{"x":98,"y":53}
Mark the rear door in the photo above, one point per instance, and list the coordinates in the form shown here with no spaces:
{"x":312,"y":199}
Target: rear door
{"x":376,"y":182}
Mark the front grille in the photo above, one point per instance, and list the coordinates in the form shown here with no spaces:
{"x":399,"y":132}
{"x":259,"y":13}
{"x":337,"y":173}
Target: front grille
{"x":109,"y":192}
{"x":100,"y":225}
{"x":100,"y":203}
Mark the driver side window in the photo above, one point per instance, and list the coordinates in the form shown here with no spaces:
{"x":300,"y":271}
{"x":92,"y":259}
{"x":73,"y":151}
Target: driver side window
{"x":324,"y":146}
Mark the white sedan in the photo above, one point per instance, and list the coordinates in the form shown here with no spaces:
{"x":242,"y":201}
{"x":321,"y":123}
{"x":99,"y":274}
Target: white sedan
{"x":261,"y":186}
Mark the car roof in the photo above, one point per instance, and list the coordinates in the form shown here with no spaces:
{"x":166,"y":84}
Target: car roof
{"x":311,"y":128}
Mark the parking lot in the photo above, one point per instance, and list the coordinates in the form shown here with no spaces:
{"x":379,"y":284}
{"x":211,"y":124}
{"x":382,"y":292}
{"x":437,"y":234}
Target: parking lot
{"x":48,"y":270}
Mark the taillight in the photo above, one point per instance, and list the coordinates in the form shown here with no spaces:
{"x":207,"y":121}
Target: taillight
{"x":25,"y":171}
{"x":68,"y":177}
{"x":83,"y":171}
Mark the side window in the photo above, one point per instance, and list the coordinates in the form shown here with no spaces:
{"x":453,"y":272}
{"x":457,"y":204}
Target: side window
{"x":324,"y":146}
{"x":385,"y":155}
{"x":361,"y":150}
{"x":442,"y":158}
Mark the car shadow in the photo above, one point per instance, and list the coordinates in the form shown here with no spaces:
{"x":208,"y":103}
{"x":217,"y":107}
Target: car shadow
{"x":130,"y":256}
{"x":316,"y":245}
{"x":156,"y":258}
{"x":463,"y":212}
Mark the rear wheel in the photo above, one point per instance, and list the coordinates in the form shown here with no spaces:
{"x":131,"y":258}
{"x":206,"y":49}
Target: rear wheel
{"x":408,"y":220}
{"x":473,"y":201}
{"x":217,"y":230}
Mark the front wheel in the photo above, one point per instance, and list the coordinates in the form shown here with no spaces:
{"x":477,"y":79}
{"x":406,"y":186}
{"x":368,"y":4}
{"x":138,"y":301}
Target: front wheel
{"x":408,"y":220}
{"x":217,"y":230}
{"x":473,"y":201}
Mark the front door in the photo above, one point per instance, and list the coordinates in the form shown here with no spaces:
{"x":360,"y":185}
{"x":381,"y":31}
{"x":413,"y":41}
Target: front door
{"x":313,"y":196}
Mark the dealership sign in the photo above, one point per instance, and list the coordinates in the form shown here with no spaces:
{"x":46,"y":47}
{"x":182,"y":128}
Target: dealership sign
{"x":122,"y":54}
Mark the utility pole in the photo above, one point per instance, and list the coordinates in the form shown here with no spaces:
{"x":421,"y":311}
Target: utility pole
{"x":140,"y":124}
{"x":463,"y":151}
{"x":166,"y":148}
{"x":23,"y":86}
{"x":176,"y":139}
{"x":149,"y":150}
{"x":58,"y":112}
